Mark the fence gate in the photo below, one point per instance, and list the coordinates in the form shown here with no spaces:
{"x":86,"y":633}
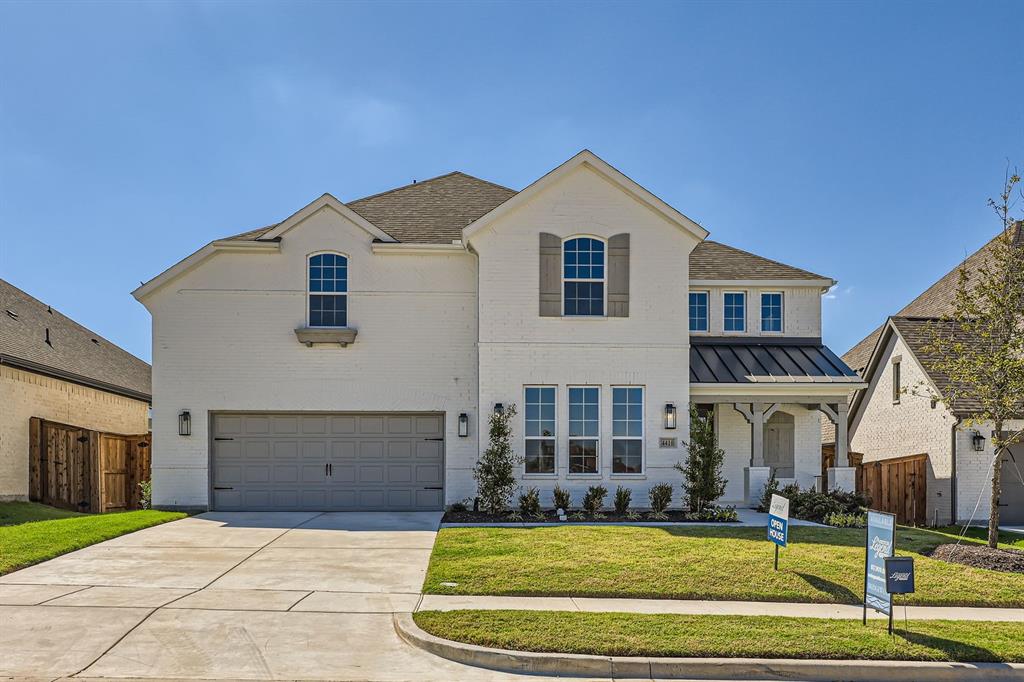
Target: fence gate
{"x":898,"y":486}
{"x":86,"y":471}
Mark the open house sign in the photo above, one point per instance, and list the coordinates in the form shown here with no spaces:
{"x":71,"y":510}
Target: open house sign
{"x":778,"y":524}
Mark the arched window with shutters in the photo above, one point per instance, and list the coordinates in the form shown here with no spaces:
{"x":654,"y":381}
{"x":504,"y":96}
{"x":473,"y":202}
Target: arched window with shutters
{"x":328,"y":290}
{"x":583,"y":276}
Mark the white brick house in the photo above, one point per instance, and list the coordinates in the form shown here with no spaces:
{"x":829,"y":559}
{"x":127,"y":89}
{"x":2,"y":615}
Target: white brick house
{"x":349,"y":356}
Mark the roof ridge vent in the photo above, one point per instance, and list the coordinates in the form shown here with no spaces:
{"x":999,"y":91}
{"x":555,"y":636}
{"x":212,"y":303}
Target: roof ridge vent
{"x":11,"y":314}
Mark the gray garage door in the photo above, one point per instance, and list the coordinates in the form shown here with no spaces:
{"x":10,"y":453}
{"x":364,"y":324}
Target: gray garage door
{"x":1011,"y":490}
{"x":330,"y":461}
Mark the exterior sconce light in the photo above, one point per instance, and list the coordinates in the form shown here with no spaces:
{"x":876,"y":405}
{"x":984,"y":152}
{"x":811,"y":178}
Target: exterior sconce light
{"x":498,"y":408}
{"x":184,"y":423}
{"x":978,"y":441}
{"x":670,"y":416}
{"x":463,"y":425}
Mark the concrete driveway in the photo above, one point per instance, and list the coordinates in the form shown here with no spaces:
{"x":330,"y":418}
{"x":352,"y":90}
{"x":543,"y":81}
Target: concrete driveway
{"x":230,"y":595}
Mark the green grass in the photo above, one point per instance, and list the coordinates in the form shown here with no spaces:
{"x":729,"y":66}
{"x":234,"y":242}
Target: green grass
{"x":627,"y":634}
{"x":30,"y":533}
{"x":824,"y":565}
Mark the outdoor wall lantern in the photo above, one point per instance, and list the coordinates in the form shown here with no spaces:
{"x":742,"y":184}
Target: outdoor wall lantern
{"x":463,"y":425}
{"x":978,"y":441}
{"x":670,"y":416}
{"x":184,"y":423}
{"x":498,"y":408}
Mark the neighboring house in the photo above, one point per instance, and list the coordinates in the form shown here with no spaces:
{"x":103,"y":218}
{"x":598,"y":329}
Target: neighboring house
{"x":349,"y":356}
{"x":53,"y":368}
{"x":894,"y":417}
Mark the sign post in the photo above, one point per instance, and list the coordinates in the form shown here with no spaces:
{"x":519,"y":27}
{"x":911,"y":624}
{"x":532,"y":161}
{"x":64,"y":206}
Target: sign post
{"x":778,"y":524}
{"x":899,"y":579}
{"x":879,"y":546}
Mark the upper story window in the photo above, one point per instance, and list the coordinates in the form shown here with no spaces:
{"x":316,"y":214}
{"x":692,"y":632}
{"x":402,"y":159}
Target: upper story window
{"x":896,"y":379}
{"x":698,"y":311}
{"x":583,"y":276}
{"x":735,"y":311}
{"x":540,"y":429}
{"x":771,"y":312}
{"x":328,"y":290}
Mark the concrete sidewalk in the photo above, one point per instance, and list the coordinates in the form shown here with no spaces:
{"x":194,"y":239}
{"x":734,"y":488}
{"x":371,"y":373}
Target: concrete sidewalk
{"x":438,"y":602}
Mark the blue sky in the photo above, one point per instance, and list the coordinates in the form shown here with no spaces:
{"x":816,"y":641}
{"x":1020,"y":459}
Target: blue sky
{"x":857,"y":140}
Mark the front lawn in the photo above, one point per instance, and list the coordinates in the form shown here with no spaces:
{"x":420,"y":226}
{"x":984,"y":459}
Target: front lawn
{"x":821,"y":565}
{"x":627,"y":634}
{"x":31,"y":533}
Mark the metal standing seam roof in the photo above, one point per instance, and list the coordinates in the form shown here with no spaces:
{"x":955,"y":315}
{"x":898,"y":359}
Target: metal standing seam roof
{"x":757,"y":361}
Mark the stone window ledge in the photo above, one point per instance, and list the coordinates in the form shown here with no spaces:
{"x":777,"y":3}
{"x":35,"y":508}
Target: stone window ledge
{"x":339,"y":335}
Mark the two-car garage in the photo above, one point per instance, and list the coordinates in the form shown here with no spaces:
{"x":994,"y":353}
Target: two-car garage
{"x":337,"y":461}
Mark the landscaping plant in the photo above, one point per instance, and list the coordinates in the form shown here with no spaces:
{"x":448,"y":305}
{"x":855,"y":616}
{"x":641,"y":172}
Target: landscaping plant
{"x":720,"y":514}
{"x":145,"y":494}
{"x":622,"y":497}
{"x":495,"y":470}
{"x":594,"y":499}
{"x":840,"y":520}
{"x":770,"y":488}
{"x":529,"y":504}
{"x":562,"y":498}
{"x":702,"y":473}
{"x":660,"y":498}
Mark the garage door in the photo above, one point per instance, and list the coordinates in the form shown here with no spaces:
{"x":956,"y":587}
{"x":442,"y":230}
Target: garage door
{"x":330,"y":461}
{"x":1011,"y":490}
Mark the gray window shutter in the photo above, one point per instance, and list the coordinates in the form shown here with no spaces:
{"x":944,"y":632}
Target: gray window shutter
{"x":550,"y":275}
{"x":618,"y":276}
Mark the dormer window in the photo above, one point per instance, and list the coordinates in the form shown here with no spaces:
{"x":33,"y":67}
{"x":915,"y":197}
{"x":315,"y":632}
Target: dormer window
{"x":735,"y":311}
{"x":583,"y":277}
{"x":328,"y":290}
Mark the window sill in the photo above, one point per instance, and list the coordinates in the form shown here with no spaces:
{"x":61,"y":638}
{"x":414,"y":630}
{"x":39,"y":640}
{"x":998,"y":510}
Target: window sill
{"x":585,"y":477}
{"x":339,"y":335}
{"x":540,"y":476}
{"x":628,"y":477}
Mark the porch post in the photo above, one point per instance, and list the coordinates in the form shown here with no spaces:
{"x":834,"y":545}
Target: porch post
{"x":757,"y":435}
{"x":842,"y":437}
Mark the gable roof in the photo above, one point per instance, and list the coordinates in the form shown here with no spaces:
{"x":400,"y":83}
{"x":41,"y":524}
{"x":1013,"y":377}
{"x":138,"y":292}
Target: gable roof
{"x":73,"y":353}
{"x":714,"y":261}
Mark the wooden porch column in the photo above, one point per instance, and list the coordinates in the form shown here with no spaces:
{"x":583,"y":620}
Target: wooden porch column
{"x":755,"y":414}
{"x":840,"y":417}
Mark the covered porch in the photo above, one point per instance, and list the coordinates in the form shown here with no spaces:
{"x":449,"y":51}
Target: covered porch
{"x":768,"y":397}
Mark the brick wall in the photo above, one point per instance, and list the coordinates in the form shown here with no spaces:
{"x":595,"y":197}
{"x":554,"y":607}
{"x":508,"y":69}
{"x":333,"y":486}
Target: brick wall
{"x":25,"y":394}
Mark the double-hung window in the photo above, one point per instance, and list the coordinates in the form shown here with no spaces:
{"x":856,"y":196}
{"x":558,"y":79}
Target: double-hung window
{"x":583,"y":276}
{"x":584,"y":429}
{"x":328,"y":290}
{"x":540,"y":429}
{"x":698,"y":311}
{"x":735,"y":311}
{"x":771,"y":312}
{"x":627,"y":430}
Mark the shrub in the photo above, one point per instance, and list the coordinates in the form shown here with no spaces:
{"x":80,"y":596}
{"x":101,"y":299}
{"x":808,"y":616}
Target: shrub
{"x":720,"y":514}
{"x":810,"y":505}
{"x":145,"y":494}
{"x":562,"y":498}
{"x":529,"y":503}
{"x":495,"y":470}
{"x":770,"y":488}
{"x":702,"y":474}
{"x":458,"y":507}
{"x":622,"y":498}
{"x":847,"y":520}
{"x":594,"y":499}
{"x":661,"y":497}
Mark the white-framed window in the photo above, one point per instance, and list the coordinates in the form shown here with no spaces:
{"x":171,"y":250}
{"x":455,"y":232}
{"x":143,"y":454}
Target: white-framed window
{"x":897,"y":390}
{"x":327,"y":290}
{"x":583,"y":277}
{"x":734,"y":311}
{"x":771,"y":311}
{"x":584,"y":429}
{"x":698,"y":301}
{"x":540,"y":429}
{"x":627,"y":429}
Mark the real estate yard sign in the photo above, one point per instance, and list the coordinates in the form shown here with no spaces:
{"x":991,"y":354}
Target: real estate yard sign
{"x":879,"y":546}
{"x":778,"y":524}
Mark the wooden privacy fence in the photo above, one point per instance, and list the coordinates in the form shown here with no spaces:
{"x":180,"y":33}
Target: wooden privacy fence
{"x":898,"y":486}
{"x":84,"y":470}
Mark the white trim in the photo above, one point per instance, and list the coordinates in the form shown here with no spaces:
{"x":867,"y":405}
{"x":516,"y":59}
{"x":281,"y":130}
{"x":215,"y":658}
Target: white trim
{"x":643,"y":431}
{"x":407,"y":249}
{"x":569,"y":438}
{"x":746,"y":311}
{"x":591,"y":160}
{"x":812,"y":283}
{"x":782,"y":313}
{"x":194,"y":259}
{"x":838,"y":390}
{"x":553,"y":438}
{"x":602,"y":280}
{"x":309,"y":293}
{"x":326,"y":201}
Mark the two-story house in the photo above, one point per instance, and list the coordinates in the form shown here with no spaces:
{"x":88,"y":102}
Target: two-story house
{"x":349,"y":356}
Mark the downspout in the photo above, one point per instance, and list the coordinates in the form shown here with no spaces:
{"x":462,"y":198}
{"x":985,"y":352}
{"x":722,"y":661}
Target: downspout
{"x":952,"y":469}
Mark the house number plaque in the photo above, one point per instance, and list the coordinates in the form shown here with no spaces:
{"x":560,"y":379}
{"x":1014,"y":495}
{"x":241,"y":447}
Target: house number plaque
{"x":666,"y":442}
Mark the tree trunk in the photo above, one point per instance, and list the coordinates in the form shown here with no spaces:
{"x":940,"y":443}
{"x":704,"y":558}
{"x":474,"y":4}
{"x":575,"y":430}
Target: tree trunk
{"x":997,"y":469}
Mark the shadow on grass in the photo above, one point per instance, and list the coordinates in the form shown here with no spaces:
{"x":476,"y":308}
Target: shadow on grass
{"x":952,"y":649}
{"x":839,"y":592}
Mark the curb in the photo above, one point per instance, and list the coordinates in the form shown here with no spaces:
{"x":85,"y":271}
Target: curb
{"x":580,"y":665}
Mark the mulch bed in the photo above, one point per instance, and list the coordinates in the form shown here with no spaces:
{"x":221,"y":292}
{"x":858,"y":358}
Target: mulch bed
{"x":981,"y":556}
{"x":673,"y":515}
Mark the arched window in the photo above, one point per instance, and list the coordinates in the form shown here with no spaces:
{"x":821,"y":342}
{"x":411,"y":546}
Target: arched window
{"x":328,"y":290}
{"x":583,"y":276}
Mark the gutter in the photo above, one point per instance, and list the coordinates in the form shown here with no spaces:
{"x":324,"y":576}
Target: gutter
{"x":73,"y":378}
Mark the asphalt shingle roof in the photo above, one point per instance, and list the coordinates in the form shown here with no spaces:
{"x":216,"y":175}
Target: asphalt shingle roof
{"x":73,"y":352}
{"x":712,"y":260}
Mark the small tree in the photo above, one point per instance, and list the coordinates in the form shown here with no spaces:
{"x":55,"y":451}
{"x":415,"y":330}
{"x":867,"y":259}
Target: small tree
{"x":702,"y":473}
{"x":495,"y":470}
{"x":979,"y":346}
